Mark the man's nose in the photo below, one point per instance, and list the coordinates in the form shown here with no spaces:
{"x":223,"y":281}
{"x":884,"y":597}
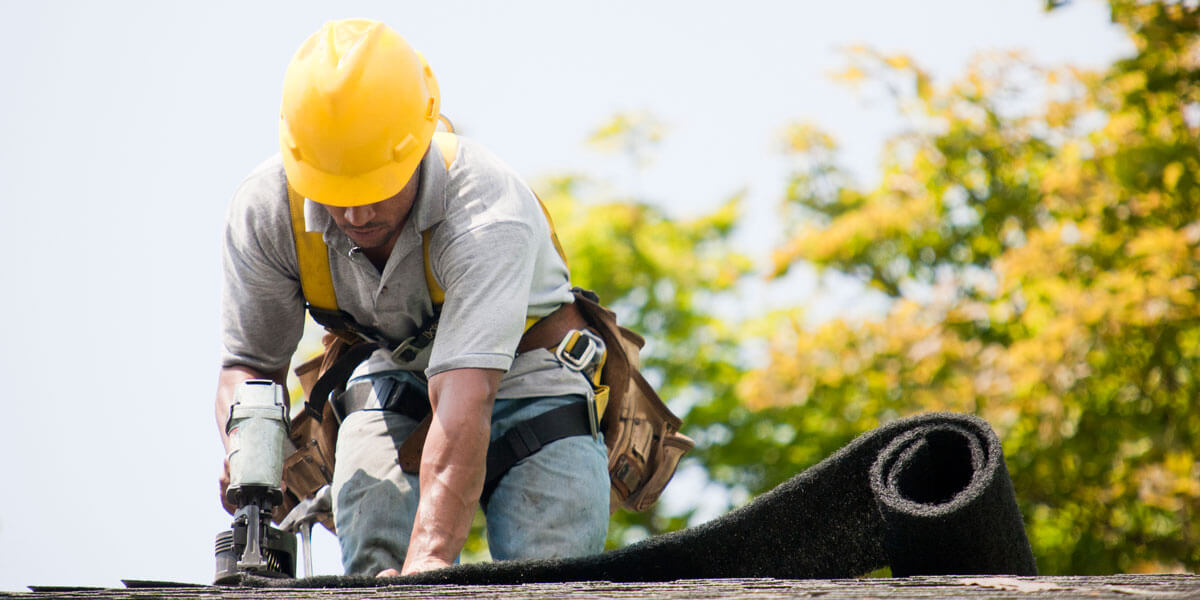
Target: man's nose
{"x":358,"y":216}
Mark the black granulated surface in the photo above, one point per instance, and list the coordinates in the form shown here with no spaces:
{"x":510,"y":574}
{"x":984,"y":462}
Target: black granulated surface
{"x":926,"y":495}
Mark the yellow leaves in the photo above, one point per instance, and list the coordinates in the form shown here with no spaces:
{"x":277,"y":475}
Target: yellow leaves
{"x":791,"y":251}
{"x":1170,"y":483}
{"x":1144,"y":205}
{"x":1171,"y":175}
{"x":867,"y":65}
{"x":805,"y":137}
{"x":851,"y":75}
{"x":1122,"y":126}
{"x":1130,"y":82}
{"x":1061,"y":114}
{"x":924,"y":86}
{"x":633,"y":133}
{"x":616,"y":131}
{"x":909,"y":351}
{"x":882,"y":218}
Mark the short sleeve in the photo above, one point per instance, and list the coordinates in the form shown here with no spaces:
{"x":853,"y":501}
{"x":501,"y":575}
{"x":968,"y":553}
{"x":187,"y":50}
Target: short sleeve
{"x":262,"y":307}
{"x":487,"y":272}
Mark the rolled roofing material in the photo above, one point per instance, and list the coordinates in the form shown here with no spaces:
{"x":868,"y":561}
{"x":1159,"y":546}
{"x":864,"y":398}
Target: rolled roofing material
{"x":926,"y":495}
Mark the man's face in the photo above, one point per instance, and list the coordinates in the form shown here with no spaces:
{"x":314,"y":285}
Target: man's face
{"x":375,"y":225}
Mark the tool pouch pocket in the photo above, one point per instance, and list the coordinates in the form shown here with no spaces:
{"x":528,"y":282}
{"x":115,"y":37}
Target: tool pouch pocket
{"x":310,"y":466}
{"x":646,"y":447}
{"x":642,"y":434}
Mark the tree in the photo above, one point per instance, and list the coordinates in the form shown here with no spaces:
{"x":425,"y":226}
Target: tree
{"x":1037,"y":231}
{"x":663,"y":277}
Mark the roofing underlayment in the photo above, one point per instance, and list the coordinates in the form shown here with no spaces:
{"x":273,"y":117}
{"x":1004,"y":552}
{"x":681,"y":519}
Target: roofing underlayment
{"x":1118,"y":587}
{"x":928,"y":496}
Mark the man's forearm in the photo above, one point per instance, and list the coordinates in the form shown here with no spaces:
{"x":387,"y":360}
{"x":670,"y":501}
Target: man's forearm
{"x":453,"y":463}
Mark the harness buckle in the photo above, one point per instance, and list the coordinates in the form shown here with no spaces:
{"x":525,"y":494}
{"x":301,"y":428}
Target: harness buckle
{"x":408,"y":349}
{"x":405,"y":351}
{"x":579,"y":356}
{"x":583,"y":351}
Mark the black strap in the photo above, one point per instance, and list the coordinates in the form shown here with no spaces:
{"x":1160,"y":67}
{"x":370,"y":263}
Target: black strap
{"x":408,"y":397}
{"x":406,"y":350}
{"x":336,"y":377}
{"x":339,"y":371}
{"x":342,"y":321}
{"x":527,"y":437}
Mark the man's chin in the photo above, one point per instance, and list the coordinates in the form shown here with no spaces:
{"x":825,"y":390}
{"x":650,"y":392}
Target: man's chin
{"x":368,"y":241}
{"x":364,"y":244}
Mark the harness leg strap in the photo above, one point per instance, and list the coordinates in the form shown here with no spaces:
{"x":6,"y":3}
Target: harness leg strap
{"x":527,"y":437}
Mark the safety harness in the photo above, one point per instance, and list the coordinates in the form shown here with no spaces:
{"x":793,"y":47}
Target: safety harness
{"x":564,"y":331}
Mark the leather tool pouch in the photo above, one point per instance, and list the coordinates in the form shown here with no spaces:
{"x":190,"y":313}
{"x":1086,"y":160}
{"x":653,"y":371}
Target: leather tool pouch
{"x":310,"y":467}
{"x":642,"y":434}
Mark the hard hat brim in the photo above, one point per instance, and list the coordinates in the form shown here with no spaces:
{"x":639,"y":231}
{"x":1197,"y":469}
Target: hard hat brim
{"x":350,"y":190}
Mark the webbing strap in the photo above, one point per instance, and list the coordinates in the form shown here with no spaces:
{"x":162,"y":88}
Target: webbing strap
{"x":527,"y":437}
{"x":315,"y":279}
{"x":447,"y":144}
{"x":436,"y":294}
{"x":553,"y":234}
{"x":335,"y":377}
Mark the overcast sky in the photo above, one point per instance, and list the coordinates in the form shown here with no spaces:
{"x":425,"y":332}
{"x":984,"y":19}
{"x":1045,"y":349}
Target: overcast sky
{"x":126,"y":126}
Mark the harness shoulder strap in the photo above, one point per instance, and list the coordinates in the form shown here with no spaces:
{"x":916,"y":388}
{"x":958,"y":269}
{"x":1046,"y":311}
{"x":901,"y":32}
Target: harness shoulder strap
{"x":315,"y":278}
{"x":447,"y":144}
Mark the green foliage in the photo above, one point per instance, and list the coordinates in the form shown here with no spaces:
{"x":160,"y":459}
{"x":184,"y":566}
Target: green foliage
{"x":1039,"y":233}
{"x":634,"y":134}
{"x":663,"y":276}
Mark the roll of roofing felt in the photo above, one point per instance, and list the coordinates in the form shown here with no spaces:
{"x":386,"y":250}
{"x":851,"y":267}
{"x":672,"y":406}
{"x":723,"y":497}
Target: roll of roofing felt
{"x":947,"y":503}
{"x":926,"y":495}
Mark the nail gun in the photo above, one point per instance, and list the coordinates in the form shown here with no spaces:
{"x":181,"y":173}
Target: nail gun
{"x":257,"y":429}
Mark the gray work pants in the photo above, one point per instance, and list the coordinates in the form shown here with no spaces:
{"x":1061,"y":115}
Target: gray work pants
{"x":551,"y":504}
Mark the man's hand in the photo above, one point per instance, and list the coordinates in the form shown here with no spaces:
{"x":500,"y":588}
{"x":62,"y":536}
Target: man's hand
{"x":223,"y":482}
{"x":453,"y":463}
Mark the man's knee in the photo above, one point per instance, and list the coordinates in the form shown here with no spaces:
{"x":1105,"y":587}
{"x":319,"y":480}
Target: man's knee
{"x":375,"y":503}
{"x":553,"y":504}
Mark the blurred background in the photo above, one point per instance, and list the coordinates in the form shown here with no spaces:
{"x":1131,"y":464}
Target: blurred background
{"x":821,"y":215}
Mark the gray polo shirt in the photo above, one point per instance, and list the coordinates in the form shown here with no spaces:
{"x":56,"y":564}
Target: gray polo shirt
{"x":490,"y":250}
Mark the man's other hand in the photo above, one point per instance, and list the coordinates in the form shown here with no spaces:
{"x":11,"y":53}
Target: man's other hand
{"x":223,"y":482}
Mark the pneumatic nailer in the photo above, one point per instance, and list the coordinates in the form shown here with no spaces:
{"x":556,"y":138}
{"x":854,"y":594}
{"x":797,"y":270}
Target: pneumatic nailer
{"x":257,"y":429}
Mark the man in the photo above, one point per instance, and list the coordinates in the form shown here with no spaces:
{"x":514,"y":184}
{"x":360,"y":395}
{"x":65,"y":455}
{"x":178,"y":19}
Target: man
{"x":358,"y":115}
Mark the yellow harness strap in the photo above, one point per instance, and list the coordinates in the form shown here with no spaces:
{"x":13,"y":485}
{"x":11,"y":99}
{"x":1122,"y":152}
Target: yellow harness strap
{"x":447,"y":144}
{"x":315,"y":278}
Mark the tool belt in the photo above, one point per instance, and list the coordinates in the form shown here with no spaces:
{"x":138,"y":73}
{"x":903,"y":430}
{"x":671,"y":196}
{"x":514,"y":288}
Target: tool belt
{"x":641,"y":433}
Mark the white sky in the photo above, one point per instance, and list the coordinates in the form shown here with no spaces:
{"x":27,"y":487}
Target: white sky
{"x":126,"y":126}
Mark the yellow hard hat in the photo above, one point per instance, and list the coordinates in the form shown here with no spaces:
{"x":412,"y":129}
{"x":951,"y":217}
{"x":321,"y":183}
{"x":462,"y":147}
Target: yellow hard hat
{"x":359,"y":110}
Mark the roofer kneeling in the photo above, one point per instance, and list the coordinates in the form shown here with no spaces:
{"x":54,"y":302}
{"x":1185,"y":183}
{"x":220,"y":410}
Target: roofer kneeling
{"x":420,"y":237}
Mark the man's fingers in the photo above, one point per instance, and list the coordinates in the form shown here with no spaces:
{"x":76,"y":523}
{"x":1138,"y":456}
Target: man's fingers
{"x":388,"y":573}
{"x":223,"y":484}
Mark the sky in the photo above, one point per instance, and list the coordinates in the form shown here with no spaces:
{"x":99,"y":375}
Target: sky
{"x":126,"y":126}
